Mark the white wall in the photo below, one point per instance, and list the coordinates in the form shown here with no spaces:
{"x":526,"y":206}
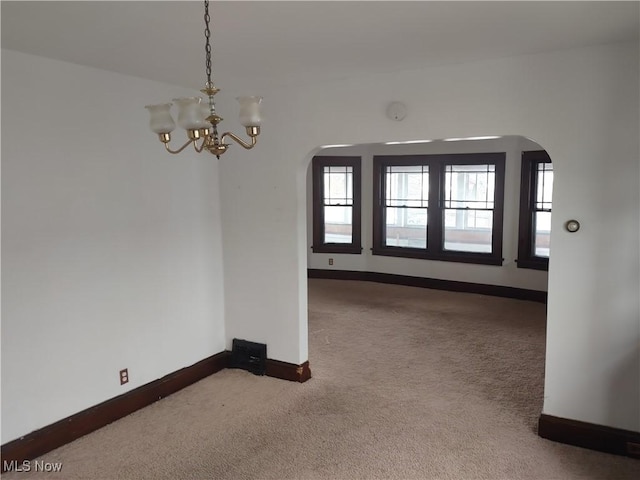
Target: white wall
{"x":580,"y":105}
{"x":508,"y":274}
{"x":111,"y":248}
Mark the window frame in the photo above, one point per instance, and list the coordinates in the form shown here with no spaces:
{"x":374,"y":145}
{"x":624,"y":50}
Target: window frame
{"x":435,"y":217}
{"x":319,"y":245}
{"x":528,"y":187}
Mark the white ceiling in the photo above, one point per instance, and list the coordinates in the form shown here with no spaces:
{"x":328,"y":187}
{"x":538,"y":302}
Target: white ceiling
{"x":286,"y":43}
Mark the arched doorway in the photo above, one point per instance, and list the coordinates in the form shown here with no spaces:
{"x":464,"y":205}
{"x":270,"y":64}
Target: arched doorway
{"x":464,"y":228}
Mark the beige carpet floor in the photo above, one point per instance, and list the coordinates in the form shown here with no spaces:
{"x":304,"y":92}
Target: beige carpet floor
{"x":408,"y":383}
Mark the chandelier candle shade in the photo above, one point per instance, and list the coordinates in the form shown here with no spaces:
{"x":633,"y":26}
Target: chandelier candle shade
{"x":199,"y":118}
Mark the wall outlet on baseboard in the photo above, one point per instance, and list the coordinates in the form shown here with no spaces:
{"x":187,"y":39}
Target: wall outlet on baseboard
{"x":331,"y":261}
{"x":124,"y":376}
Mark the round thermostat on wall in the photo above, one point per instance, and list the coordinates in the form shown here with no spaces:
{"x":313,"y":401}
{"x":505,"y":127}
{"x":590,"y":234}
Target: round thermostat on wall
{"x":396,"y":111}
{"x":572,"y":226}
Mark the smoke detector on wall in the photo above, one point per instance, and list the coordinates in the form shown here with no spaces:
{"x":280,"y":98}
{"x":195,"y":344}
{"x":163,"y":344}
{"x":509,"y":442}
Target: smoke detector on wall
{"x":396,"y":111}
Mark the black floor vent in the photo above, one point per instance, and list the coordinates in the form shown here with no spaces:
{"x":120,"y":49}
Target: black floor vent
{"x":249,"y":356}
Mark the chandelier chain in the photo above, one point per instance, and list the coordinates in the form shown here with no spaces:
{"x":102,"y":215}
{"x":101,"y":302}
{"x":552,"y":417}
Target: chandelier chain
{"x":207,"y":34}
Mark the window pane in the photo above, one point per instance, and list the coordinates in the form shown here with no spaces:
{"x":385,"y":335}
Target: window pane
{"x":542,"y":234}
{"x":468,"y":230}
{"x":544,"y":186}
{"x":542,"y":217}
{"x":338,"y":225}
{"x":469,"y":202}
{"x":338,"y":185}
{"x":469,"y":186}
{"x":406,"y":227}
{"x":407,"y":185}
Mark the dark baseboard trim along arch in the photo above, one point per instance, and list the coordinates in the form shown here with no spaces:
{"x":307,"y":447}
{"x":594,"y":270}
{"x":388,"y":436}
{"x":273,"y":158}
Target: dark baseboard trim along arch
{"x":589,"y":435}
{"x":434,"y":283}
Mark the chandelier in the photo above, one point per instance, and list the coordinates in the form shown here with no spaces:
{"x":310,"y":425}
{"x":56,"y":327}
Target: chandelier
{"x":199,"y":118}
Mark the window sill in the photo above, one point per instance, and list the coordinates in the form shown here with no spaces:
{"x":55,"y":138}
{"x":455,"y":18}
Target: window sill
{"x":337,"y":248}
{"x":533,"y":263}
{"x":460,"y":257}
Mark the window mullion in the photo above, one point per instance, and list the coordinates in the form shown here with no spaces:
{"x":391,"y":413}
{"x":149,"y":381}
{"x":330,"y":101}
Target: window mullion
{"x":498,"y":209}
{"x":435,"y":215}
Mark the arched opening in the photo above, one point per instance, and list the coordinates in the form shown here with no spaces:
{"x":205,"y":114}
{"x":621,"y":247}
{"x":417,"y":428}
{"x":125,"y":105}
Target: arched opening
{"x":492,"y":344}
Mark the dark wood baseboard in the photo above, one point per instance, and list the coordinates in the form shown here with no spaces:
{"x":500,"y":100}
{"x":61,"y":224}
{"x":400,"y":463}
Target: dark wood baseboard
{"x":71,"y":428}
{"x":288,"y":371}
{"x":434,"y":283}
{"x":589,"y":435}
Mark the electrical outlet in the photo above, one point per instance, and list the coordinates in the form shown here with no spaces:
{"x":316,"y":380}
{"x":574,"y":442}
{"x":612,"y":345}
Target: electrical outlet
{"x":124,"y":376}
{"x":331,"y":261}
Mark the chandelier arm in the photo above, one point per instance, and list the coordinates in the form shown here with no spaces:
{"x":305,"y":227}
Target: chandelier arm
{"x":166,"y":145}
{"x":239,"y":141}
{"x":201,"y":148}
